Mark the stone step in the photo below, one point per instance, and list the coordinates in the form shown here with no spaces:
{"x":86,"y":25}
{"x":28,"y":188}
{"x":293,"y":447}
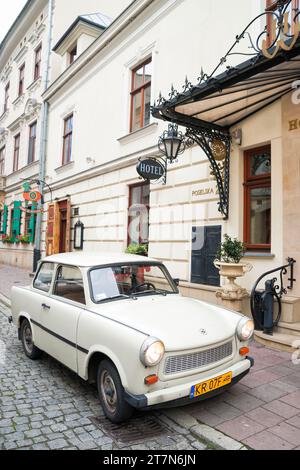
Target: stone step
{"x":280,"y":341}
{"x":289,"y":328}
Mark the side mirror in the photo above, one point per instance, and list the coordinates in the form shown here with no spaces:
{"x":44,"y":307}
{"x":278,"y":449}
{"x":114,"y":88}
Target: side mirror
{"x":177,"y":282}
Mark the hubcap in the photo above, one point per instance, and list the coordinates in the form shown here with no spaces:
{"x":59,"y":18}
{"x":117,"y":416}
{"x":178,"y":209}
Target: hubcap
{"x":108,"y":391}
{"x":27,"y":334}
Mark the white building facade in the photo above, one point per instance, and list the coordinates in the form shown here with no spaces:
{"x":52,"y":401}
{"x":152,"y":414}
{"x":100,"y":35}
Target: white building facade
{"x":27,"y":67}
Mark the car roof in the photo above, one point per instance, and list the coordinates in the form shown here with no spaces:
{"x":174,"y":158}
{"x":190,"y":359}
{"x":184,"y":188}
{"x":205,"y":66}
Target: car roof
{"x":90,"y":259}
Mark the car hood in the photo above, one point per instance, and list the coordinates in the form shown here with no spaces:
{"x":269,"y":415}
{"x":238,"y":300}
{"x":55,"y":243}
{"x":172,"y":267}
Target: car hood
{"x":180,"y":322}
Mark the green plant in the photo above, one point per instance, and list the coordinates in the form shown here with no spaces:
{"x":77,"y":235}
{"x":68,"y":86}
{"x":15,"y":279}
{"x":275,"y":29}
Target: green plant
{"x":25,"y":239}
{"x":231,"y":250}
{"x":136,"y":249}
{"x":8,"y":239}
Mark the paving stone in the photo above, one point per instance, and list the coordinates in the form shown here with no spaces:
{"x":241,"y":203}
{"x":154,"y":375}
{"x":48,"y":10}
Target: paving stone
{"x":261,"y":377}
{"x":282,"y":409}
{"x":240,"y":428}
{"x":266,"y":440}
{"x":264,"y":417}
{"x":292,"y":399}
{"x":287,"y":432}
{"x":57,"y":444}
{"x":40,"y":447}
{"x":267,"y":393}
{"x":295,"y":421}
{"x":244,"y":402}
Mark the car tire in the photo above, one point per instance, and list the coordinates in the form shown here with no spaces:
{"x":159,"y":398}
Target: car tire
{"x":30,"y":349}
{"x":111,"y":393}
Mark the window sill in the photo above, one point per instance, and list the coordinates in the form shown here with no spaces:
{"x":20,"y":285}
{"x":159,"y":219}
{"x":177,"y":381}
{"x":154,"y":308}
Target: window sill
{"x":253,"y":254}
{"x":132,"y":136}
{"x":35,"y":84}
{"x":18,"y":101}
{"x":4,"y":115}
{"x":66,"y":167}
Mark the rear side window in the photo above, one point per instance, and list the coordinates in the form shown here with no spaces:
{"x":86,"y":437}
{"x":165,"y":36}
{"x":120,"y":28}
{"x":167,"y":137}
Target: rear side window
{"x":44,"y":278}
{"x":69,"y":284}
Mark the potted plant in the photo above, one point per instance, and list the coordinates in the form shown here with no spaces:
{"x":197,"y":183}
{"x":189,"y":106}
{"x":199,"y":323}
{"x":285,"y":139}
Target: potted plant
{"x":230,"y":253}
{"x":24,"y":239}
{"x":137,"y":249}
{"x":7,"y":239}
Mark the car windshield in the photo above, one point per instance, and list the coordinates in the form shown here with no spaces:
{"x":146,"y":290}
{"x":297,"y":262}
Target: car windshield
{"x":130,"y":280}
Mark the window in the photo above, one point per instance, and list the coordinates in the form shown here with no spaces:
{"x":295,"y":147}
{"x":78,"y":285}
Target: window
{"x":21,"y":80}
{"x":6,"y":97}
{"x":141,"y":96}
{"x":257,"y":197}
{"x":73,"y":55}
{"x":16,"y":153}
{"x":67,"y":140}
{"x":32,"y":143}
{"x":37,"y":62}
{"x":43,"y":279}
{"x":119,"y":282}
{"x":2,"y":160}
{"x":69,"y":284}
{"x":139,"y":201}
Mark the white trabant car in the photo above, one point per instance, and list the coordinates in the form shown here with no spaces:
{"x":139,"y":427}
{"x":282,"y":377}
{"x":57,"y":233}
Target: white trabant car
{"x":119,"y":321}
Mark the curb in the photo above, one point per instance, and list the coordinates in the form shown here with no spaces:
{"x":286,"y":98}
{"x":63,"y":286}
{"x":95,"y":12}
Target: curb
{"x":202,"y":431}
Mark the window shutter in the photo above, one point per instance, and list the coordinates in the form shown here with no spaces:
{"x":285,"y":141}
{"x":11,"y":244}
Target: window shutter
{"x":16,"y":222}
{"x":4,"y":221}
{"x":206,"y":240}
{"x":32,"y":223}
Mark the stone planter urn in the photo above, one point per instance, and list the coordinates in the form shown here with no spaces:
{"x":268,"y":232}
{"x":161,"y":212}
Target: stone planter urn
{"x":232,"y":293}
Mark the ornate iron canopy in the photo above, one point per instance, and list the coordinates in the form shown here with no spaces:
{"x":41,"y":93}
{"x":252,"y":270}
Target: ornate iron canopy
{"x":210,"y":109}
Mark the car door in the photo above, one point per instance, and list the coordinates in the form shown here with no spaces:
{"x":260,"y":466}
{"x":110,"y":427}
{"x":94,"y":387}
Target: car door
{"x":60,"y":315}
{"x":38,"y":296}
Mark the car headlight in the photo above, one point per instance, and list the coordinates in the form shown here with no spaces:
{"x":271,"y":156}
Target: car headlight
{"x":152,"y":352}
{"x":245,"y":329}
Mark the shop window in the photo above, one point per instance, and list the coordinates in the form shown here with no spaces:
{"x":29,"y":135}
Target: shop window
{"x":2,"y":160}
{"x":257,"y":199}
{"x":37,"y":62}
{"x":141,"y":96}
{"x":32,"y":143}
{"x":21,"y":80}
{"x":139,"y":202}
{"x":16,"y":153}
{"x":205,"y":244}
{"x":67,"y":140}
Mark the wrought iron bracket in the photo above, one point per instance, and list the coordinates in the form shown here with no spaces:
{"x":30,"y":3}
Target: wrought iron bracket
{"x":207,"y":139}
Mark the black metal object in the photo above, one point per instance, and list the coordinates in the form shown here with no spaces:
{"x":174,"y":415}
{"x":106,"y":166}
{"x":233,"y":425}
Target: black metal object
{"x":36,"y":258}
{"x":262,"y":302}
{"x":78,"y":235}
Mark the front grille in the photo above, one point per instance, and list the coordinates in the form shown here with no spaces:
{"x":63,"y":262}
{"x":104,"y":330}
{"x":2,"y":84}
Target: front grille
{"x":183,"y":363}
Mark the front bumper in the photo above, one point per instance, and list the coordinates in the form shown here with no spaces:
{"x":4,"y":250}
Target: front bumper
{"x":180,"y":394}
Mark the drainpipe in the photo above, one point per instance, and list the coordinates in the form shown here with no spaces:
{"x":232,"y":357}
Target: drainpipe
{"x":43,"y":139}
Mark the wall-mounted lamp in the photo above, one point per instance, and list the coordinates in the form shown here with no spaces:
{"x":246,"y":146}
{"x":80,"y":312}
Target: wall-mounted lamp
{"x":78,"y":235}
{"x":237,"y":136}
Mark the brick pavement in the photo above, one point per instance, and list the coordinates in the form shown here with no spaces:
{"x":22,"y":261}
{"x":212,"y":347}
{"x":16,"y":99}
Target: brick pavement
{"x":11,"y":276}
{"x":44,"y":405}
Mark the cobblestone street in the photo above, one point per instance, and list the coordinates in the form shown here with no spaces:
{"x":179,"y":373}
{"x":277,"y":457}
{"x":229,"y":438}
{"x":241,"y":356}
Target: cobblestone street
{"x":44,"y":406}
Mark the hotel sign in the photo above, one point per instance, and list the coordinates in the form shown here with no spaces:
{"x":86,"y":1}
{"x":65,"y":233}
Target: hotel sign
{"x":286,"y":45}
{"x":151,"y":169}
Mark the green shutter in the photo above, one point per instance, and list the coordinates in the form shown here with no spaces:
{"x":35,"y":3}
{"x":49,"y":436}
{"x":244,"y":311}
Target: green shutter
{"x":4,"y":221}
{"x":16,"y":222}
{"x":32,"y":221}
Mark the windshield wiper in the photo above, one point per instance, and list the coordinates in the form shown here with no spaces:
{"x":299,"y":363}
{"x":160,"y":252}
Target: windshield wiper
{"x":117,"y":297}
{"x":156,"y":291}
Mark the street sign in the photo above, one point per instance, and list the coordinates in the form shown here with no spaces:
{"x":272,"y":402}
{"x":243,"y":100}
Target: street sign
{"x":151,"y":169}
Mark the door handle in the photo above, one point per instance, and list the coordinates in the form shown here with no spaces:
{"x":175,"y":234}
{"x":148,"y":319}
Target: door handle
{"x":46,"y":307}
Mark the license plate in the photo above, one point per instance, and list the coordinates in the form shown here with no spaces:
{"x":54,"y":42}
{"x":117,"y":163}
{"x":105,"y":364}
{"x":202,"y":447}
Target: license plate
{"x":211,"y":385}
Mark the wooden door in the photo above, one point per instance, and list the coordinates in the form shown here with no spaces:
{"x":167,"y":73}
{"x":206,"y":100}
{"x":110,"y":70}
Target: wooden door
{"x":52,"y":234}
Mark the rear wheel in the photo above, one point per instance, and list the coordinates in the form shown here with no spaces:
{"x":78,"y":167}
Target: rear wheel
{"x":30,"y":349}
{"x":111,"y":393}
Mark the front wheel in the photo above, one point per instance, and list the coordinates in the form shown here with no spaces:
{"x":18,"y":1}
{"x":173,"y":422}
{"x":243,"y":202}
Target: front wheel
{"x":111,"y":393}
{"x":30,"y":349}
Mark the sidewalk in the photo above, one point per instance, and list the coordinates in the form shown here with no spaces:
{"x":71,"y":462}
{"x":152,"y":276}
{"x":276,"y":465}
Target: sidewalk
{"x":261,"y":412}
{"x":12,"y":276}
